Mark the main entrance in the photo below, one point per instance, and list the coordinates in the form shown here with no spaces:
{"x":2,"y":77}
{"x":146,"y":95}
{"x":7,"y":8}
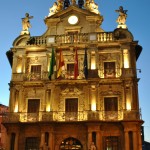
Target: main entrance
{"x":71,"y":143}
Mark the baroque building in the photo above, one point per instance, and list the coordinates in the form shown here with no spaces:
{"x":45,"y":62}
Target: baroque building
{"x":75,"y":86}
{"x":3,"y":134}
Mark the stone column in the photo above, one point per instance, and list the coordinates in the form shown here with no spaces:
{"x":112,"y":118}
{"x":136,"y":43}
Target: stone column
{"x":98,"y":142}
{"x":135,"y":141}
{"x":20,"y":100}
{"x":16,"y":141}
{"x":51,"y":141}
{"x":42,"y":139}
{"x":140,"y":140}
{"x":126,"y":140}
{"x":8,"y":139}
{"x":89,"y":139}
{"x":12,"y":97}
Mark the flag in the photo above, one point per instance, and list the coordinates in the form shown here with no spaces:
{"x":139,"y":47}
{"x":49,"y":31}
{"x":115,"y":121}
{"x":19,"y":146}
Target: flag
{"x":61,"y":64}
{"x":52,"y":65}
{"x":76,"y":65}
{"x":85,"y":63}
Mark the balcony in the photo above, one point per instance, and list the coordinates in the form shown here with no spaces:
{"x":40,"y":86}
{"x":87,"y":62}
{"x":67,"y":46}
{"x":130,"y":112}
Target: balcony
{"x":72,"y":38}
{"x":119,"y":72}
{"x":61,"y":116}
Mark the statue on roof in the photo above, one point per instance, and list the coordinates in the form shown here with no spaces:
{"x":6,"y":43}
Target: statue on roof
{"x":53,"y":9}
{"x":80,"y":3}
{"x":66,"y":3}
{"x":26,"y":24}
{"x":57,"y":6}
{"x":91,"y":6}
{"x":73,"y":2}
{"x":122,"y":16}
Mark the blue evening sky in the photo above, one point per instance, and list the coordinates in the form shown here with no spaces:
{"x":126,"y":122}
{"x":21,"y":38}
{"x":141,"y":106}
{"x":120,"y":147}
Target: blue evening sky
{"x":138,"y":22}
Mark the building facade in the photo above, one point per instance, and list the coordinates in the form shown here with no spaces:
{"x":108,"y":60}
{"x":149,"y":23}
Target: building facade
{"x":75,"y":86}
{"x":3,"y":134}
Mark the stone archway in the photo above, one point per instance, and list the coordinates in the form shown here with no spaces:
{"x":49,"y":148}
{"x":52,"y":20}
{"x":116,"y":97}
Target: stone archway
{"x":70,"y":143}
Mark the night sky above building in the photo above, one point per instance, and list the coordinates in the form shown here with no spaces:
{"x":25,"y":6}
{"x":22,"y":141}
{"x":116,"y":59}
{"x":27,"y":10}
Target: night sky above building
{"x":138,"y":23}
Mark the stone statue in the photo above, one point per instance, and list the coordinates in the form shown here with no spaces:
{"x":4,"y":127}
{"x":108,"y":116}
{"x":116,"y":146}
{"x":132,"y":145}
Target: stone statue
{"x":73,"y":2}
{"x":26,"y":22}
{"x":92,"y":6}
{"x":66,"y":3}
{"x":122,"y":16}
{"x":59,"y":5}
{"x":80,"y":3}
{"x":92,"y":146}
{"x":53,"y":9}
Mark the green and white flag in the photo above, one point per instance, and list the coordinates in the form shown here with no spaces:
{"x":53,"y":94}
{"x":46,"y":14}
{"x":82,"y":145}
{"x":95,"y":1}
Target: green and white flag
{"x":52,"y":67}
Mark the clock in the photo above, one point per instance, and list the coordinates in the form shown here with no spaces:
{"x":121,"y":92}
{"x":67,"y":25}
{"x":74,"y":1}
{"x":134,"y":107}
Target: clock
{"x":73,"y":19}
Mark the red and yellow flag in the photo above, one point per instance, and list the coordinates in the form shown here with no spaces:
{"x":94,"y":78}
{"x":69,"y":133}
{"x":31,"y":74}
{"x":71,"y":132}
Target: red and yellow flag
{"x":61,"y":64}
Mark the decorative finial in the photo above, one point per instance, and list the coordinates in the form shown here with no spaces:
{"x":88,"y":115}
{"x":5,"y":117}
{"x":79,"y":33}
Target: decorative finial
{"x":121,"y":20}
{"x":26,"y":24}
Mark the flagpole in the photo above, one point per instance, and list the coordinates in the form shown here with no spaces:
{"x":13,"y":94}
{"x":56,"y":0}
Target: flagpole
{"x":85,"y":64}
{"x":76,"y":73}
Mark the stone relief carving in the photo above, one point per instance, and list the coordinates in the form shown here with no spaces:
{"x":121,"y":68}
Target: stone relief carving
{"x":33,"y":93}
{"x":114,"y":57}
{"x":112,"y":93}
{"x":71,"y":92}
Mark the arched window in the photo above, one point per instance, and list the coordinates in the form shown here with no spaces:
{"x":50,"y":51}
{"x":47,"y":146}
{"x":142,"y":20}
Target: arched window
{"x":71,"y":143}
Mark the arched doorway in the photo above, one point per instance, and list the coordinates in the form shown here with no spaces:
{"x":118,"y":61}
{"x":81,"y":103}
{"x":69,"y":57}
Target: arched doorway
{"x":71,"y":143}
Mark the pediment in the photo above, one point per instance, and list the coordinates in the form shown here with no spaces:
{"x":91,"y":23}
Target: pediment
{"x":70,"y":10}
{"x":59,"y":24}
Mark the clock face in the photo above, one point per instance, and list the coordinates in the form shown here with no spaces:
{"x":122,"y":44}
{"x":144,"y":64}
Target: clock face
{"x":73,"y":20}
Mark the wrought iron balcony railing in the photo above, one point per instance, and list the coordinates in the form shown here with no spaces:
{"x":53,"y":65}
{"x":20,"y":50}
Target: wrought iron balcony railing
{"x":61,"y":116}
{"x":123,"y":72}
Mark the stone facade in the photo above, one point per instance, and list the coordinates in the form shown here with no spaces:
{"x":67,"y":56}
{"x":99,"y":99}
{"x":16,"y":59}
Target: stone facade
{"x":3,"y":133}
{"x":74,"y":113}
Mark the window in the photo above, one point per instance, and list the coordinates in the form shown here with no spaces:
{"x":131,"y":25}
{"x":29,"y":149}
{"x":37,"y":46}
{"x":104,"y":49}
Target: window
{"x":70,"y":71}
{"x":109,"y":69}
{"x":32,"y":143}
{"x":71,"y":143}
{"x":111,"y":103}
{"x":33,"y":105}
{"x":46,"y":138}
{"x":111,"y":108}
{"x":12,"y":146}
{"x":33,"y":109}
{"x":35,"y":72}
{"x":111,"y":143}
{"x":71,"y":108}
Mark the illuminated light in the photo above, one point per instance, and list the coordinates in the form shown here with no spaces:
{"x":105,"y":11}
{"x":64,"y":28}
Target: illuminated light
{"x":93,"y":106}
{"x":128,"y":106}
{"x":48,"y":109}
{"x":93,"y":64}
{"x":19,"y":70}
{"x":16,"y":107}
{"x":126,"y":58}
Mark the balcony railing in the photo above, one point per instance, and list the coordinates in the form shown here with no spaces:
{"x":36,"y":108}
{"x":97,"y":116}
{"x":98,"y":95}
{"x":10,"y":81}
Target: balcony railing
{"x":72,"y":38}
{"x":124,"y":72}
{"x":61,"y":116}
